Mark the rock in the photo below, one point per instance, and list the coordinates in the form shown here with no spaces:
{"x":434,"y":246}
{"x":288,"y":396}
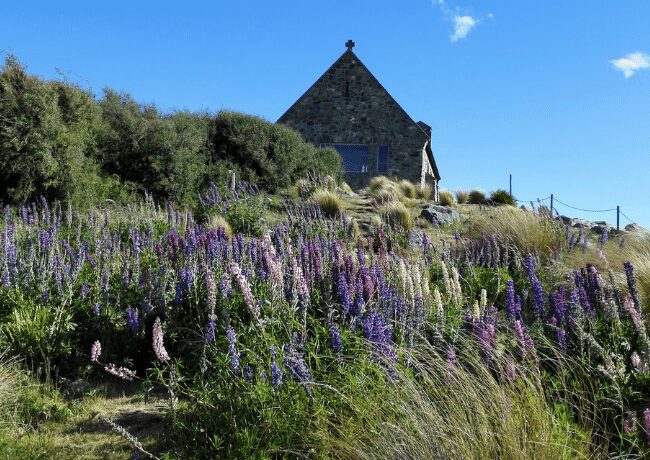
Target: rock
{"x":601,"y":228}
{"x":635,"y":228}
{"x":441,"y":215}
{"x":351,"y":193}
{"x":566,"y":220}
{"x":575,"y":223}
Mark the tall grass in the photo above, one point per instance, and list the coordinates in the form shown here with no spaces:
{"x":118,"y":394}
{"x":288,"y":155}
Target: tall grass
{"x":446,"y":198}
{"x":468,"y":410}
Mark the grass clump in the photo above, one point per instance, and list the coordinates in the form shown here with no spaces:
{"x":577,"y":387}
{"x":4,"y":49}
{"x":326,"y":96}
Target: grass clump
{"x":217,"y":221}
{"x":446,"y":198}
{"x":329,"y":202}
{"x":397,"y":214}
{"x":500,"y":196}
{"x":424,"y":191}
{"x":462,"y":196}
{"x":477,"y":197}
{"x":408,"y":189}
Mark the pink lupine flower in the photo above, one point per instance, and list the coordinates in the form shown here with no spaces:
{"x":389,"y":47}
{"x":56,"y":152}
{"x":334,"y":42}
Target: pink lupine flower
{"x":245,"y":288}
{"x":158,"y":346}
{"x":637,"y":362}
{"x":629,"y":423}
{"x":95,"y":351}
{"x":121,"y":372}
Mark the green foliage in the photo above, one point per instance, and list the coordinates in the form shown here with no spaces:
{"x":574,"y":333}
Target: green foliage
{"x":502,"y":197}
{"x":268,"y":154}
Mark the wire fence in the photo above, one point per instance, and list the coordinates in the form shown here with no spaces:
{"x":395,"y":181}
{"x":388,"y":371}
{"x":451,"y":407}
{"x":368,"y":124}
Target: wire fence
{"x":554,"y":200}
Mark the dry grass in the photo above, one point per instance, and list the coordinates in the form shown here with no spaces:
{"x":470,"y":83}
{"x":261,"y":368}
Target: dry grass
{"x":459,"y":412}
{"x":396,"y":214}
{"x":408,"y":189}
{"x":217,"y":221}
{"x":424,"y":191}
{"x":462,"y":196}
{"x":329,"y":202}
{"x":477,"y":197}
{"x":446,"y":198}
{"x":522,"y":229}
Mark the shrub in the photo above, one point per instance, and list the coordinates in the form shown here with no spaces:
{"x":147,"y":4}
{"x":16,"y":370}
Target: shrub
{"x":502,"y":197}
{"x":329,"y":202}
{"x":424,"y":191}
{"x":396,"y":214}
{"x":462,"y":196}
{"x":446,"y":198}
{"x":268,"y":154}
{"x":408,"y":189}
{"x":476,"y":197}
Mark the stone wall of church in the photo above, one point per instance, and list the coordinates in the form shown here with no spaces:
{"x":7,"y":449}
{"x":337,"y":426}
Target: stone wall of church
{"x":347,"y":105}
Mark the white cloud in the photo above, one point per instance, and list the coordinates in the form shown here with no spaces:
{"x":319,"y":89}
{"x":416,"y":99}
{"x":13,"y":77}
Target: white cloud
{"x":462,"y":26}
{"x":631,"y":63}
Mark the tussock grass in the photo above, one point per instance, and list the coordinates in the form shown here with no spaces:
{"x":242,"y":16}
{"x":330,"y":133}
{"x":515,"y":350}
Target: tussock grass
{"x":446,"y":198}
{"x":525,"y":230}
{"x":462,"y":196}
{"x":408,"y":189}
{"x":424,"y":191}
{"x":477,"y":197}
{"x":217,"y":221}
{"x":329,"y":202}
{"x":464,"y":411}
{"x":500,"y":196}
{"x":396,"y":214}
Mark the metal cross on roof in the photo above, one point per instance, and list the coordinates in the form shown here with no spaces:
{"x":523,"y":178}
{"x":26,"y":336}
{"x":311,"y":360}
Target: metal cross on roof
{"x":349,"y":44}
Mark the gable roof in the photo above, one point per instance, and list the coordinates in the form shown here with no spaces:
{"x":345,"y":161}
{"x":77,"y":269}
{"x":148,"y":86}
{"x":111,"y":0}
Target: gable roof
{"x":349,"y":55}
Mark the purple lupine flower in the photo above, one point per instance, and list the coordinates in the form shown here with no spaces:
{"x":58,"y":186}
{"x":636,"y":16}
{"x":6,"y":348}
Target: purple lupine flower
{"x":634,"y":314}
{"x":210,"y":330}
{"x":225,"y":286}
{"x":510,"y":302}
{"x":294,"y":362}
{"x":380,"y":334}
{"x":358,"y":304}
{"x":631,"y":283}
{"x":232,"y":349}
{"x":85,"y":289}
{"x":45,"y":296}
{"x":6,"y":281}
{"x":95,"y":309}
{"x":133,"y":319}
{"x":158,"y":345}
{"x":511,"y":369}
{"x":276,"y":372}
{"x":344,"y":294}
{"x":561,"y":338}
{"x":629,"y":424}
{"x":248,"y":373}
{"x":121,"y":372}
{"x":451,"y":357}
{"x":95,"y":351}
{"x":335,"y":338}
{"x":525,"y":342}
{"x":536,"y":286}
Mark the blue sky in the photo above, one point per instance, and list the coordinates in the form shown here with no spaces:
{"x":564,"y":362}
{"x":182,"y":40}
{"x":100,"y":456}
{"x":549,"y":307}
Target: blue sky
{"x":555,"y":93}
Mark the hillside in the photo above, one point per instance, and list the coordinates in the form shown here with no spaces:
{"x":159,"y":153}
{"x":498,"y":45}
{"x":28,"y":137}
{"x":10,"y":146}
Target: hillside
{"x":322,"y":323}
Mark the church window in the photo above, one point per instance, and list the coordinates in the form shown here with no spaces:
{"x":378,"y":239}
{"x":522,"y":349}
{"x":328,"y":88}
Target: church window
{"x":354,"y":157}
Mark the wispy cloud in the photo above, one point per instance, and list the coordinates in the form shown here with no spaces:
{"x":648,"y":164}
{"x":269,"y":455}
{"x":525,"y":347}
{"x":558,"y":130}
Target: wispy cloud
{"x":462,"y":26}
{"x":463,"y":23}
{"x":631,"y":63}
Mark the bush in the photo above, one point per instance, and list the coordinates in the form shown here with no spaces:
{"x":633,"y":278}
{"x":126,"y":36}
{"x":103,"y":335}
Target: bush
{"x":446,"y":198}
{"x":396,"y":214}
{"x":462,"y":196}
{"x":270,"y":155}
{"x":502,"y":197}
{"x":408,"y":189}
{"x":477,"y":197}
{"x":329,"y":202}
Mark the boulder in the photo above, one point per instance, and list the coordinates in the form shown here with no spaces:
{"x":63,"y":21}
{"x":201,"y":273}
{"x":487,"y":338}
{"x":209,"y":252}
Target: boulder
{"x":635,"y":228}
{"x":601,"y":227}
{"x":441,"y":215}
{"x":575,"y":223}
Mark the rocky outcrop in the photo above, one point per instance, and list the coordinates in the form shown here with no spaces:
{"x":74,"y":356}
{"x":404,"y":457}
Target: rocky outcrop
{"x":440,"y":215}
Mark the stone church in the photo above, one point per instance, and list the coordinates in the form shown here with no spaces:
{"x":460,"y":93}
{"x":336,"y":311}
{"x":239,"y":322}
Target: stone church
{"x":348,"y":109}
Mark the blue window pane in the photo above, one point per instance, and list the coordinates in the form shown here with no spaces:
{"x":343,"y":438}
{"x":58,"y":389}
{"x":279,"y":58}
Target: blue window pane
{"x":382,"y":159}
{"x":353,"y":156}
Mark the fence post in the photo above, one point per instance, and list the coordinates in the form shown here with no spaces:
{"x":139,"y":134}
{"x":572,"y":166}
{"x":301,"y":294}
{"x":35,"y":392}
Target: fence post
{"x":551,"y":205}
{"x":618,"y":217}
{"x":510,"y":184}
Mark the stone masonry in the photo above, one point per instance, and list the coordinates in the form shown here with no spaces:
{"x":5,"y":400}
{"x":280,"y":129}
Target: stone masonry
{"x":348,"y":105}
